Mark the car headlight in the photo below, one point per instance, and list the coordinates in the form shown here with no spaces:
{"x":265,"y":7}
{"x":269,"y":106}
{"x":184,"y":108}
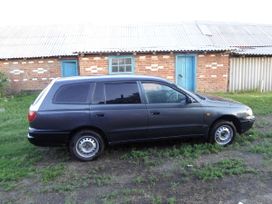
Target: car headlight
{"x":249,"y":112}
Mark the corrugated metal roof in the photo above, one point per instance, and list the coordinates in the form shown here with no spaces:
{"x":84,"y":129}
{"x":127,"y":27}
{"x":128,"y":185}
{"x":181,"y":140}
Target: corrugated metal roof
{"x":67,"y":40}
{"x":260,"y":51}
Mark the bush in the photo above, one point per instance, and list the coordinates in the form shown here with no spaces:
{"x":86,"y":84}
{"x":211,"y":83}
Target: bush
{"x":3,"y":84}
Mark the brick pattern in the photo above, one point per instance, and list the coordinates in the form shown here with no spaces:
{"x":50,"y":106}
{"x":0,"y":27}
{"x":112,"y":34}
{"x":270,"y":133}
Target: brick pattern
{"x":212,"y":72}
{"x":93,"y":65}
{"x":161,"y":65}
{"x":31,"y":74}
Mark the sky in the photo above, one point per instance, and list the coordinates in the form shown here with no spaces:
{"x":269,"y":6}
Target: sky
{"x":120,"y":12}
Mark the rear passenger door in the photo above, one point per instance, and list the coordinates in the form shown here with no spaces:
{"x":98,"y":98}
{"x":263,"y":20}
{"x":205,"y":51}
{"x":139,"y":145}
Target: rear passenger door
{"x":117,"y":108}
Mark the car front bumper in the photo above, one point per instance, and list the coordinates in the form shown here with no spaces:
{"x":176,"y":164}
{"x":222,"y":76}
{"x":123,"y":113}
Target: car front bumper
{"x":247,"y":123}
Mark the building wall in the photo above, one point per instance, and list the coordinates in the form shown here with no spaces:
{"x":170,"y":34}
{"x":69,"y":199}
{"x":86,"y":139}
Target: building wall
{"x":30,"y":74}
{"x":34,"y":74}
{"x":250,"y":73}
{"x":212,"y":72}
{"x":212,"y":69}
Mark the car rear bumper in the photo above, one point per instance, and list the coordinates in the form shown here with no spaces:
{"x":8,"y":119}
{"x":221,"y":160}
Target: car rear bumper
{"x":47,"y":138}
{"x":247,"y":123}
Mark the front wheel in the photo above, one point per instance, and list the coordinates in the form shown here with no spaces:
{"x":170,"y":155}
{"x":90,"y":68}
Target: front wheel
{"x":86,"y":145}
{"x":222,"y":133}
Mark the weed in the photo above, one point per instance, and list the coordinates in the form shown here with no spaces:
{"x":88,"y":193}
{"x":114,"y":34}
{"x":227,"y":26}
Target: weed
{"x":50,"y":173}
{"x":121,"y":194}
{"x":265,"y":148}
{"x":222,"y":168}
{"x":171,"y":200}
{"x":138,"y":180}
{"x":156,"y":200}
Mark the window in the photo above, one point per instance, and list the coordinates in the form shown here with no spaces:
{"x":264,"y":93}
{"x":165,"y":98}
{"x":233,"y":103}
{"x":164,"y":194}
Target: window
{"x":158,"y":93}
{"x":73,"y":93}
{"x":122,"y":93}
{"x":121,"y":64}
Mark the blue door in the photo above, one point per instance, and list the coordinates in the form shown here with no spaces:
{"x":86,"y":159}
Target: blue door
{"x":185,"y":71}
{"x":69,"y":68}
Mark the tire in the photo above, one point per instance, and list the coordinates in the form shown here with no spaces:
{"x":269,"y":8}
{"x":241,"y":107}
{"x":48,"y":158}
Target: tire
{"x":86,"y":145}
{"x":222,"y":133}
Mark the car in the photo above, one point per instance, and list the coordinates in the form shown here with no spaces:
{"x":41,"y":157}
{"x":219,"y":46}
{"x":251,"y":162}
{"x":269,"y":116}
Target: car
{"x":89,"y":113}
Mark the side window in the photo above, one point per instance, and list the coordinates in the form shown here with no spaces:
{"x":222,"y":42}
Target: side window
{"x":122,"y":93}
{"x":158,"y":93}
{"x":73,"y":93}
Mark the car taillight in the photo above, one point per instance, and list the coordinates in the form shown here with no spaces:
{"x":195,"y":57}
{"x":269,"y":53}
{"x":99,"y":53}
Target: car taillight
{"x":31,"y":116}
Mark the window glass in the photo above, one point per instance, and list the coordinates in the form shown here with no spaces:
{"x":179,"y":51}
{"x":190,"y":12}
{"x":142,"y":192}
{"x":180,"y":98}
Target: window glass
{"x":121,"y":65}
{"x":99,"y":97}
{"x":122,"y":93}
{"x":73,"y":93}
{"x":158,"y":93}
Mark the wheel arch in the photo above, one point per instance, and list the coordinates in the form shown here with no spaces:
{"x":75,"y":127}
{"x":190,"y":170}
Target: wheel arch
{"x":92,"y":128}
{"x":230,"y":118}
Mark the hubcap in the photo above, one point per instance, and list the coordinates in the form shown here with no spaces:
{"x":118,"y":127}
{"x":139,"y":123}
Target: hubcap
{"x":223,"y":135}
{"x":87,"y":146}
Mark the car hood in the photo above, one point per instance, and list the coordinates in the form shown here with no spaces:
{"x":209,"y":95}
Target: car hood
{"x":219,"y":101}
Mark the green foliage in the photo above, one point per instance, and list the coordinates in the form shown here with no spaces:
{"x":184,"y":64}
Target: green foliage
{"x":3,"y":83}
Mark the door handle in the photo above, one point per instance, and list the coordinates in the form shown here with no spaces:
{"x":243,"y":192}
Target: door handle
{"x":99,"y":114}
{"x":180,"y":76}
{"x":155,"y":113}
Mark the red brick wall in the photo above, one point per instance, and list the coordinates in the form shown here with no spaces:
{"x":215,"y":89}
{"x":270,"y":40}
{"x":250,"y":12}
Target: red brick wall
{"x":34,"y":74}
{"x":212,"y":72}
{"x":30,"y":74}
{"x":161,"y":65}
{"x":93,"y":65}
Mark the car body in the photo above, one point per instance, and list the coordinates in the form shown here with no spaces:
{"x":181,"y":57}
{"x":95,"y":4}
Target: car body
{"x":88,"y":113}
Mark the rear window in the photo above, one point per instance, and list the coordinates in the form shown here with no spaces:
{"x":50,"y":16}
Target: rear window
{"x":122,"y":93}
{"x":74,"y":93}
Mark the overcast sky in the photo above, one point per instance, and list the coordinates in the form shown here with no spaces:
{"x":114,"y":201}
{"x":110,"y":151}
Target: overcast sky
{"x":109,"y":12}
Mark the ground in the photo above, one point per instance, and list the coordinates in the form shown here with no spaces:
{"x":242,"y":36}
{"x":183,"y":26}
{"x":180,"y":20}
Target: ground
{"x":180,"y":171}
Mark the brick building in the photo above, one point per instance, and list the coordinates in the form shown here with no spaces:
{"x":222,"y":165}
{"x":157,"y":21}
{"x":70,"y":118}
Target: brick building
{"x":193,"y":55}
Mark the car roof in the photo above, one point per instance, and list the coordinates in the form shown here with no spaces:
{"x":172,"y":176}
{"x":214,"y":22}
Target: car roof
{"x":103,"y":78}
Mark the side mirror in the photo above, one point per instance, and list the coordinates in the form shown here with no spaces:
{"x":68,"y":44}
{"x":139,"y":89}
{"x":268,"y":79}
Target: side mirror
{"x":189,"y":99}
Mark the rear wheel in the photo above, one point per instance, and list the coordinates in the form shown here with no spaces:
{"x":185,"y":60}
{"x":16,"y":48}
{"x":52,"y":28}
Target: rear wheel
{"x":86,"y":145}
{"x":222,"y":133}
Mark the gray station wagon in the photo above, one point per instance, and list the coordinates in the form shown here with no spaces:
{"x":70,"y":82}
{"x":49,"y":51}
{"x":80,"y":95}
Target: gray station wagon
{"x":88,"y":113}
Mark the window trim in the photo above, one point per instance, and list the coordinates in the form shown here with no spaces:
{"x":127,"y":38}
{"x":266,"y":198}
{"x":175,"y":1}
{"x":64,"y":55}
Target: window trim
{"x":69,"y":60}
{"x":118,"y":57}
{"x":163,"y":84}
{"x":88,"y":101}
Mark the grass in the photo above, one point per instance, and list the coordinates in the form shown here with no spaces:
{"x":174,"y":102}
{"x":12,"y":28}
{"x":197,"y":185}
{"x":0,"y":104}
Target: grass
{"x":259,"y":102}
{"x":50,"y":173}
{"x":221,"y":169}
{"x":17,"y":156}
{"x":264,"y":147}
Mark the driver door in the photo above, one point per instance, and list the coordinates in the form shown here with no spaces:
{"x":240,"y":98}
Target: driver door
{"x":169,"y":113}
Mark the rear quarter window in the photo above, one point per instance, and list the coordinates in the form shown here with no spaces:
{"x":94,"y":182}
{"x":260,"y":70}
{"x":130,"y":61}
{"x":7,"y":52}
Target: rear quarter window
{"x":78,"y":93}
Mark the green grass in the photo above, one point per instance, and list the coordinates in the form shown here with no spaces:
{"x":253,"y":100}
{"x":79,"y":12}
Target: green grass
{"x":50,"y":173}
{"x":17,"y":156}
{"x":264,"y":147}
{"x":259,"y":102}
{"x":222,"y":168}
{"x":177,"y":151}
